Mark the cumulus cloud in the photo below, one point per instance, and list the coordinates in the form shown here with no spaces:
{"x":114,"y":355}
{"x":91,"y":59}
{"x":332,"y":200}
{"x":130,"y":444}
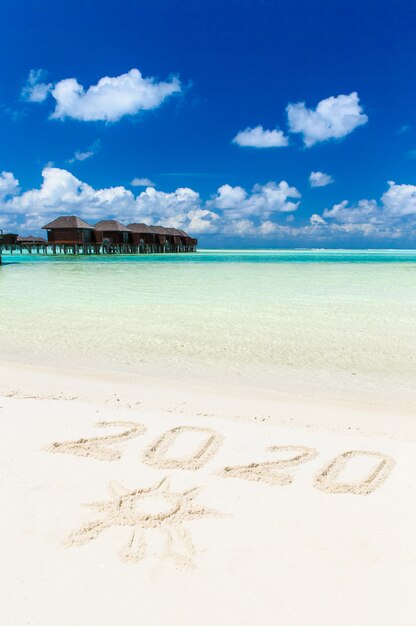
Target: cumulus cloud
{"x":229,"y":197}
{"x":9,"y":185}
{"x":316,"y":219}
{"x":153,"y":206}
{"x":35,"y":89}
{"x":364,"y":211}
{"x":111,"y":98}
{"x":399,"y":200}
{"x":62,"y":193}
{"x":320,"y":179}
{"x":142,"y":182}
{"x":390,"y":217}
{"x":262,"y":201}
{"x":233,"y":210}
{"x":200,"y":221}
{"x":258,"y":137}
{"x":396,"y":204}
{"x":333,"y":118}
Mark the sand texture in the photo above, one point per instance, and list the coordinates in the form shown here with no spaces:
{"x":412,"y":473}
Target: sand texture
{"x":198,"y":509}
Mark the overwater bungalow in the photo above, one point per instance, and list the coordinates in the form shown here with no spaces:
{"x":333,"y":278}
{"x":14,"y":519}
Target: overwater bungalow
{"x":8,"y":239}
{"x":160,"y":235}
{"x":175,"y":239}
{"x":30,"y":240}
{"x":71,"y":234}
{"x":188,"y":244}
{"x":31,"y":243}
{"x":180,"y":241}
{"x":141,"y":236}
{"x":69,"y":230}
{"x":112,"y":232}
{"x":160,"y":238}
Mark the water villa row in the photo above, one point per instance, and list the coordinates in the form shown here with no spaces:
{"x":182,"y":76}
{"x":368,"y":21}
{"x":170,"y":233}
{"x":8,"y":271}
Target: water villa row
{"x":71,"y":235}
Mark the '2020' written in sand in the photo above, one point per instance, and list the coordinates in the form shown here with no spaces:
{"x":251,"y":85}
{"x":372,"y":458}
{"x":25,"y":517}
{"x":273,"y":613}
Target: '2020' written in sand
{"x":127,"y":507}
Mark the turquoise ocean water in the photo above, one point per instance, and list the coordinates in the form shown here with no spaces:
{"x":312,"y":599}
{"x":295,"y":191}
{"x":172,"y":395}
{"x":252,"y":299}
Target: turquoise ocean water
{"x":338,"y":324}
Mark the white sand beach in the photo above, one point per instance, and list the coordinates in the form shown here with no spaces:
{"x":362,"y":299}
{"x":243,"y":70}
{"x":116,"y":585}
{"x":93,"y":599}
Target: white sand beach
{"x":207,"y":313}
{"x":155,"y":502}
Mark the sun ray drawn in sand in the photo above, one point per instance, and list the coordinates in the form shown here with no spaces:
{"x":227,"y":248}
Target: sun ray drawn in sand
{"x":136,"y":509}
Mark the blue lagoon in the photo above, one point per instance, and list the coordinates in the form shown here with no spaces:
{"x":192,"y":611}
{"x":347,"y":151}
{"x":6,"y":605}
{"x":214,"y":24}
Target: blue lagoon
{"x":331,"y":324}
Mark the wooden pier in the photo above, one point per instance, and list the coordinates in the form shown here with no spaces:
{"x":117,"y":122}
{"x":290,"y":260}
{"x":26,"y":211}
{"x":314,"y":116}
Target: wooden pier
{"x":88,"y":249}
{"x":72,"y":235}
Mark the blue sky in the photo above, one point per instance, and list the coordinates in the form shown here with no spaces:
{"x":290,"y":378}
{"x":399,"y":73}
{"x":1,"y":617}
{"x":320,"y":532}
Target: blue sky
{"x":196,"y":93}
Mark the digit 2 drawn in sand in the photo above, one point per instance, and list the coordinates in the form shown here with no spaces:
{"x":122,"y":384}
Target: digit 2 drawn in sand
{"x":98,"y":447}
{"x":131,"y":509}
{"x":327,"y":478}
{"x":269,"y":471}
{"x":156,"y":455}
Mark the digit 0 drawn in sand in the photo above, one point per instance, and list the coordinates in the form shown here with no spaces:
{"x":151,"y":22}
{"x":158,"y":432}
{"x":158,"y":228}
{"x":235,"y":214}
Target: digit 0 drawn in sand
{"x":156,"y":455}
{"x":327,"y":478}
{"x":270,"y":471}
{"x":98,"y":447}
{"x":134,"y":509}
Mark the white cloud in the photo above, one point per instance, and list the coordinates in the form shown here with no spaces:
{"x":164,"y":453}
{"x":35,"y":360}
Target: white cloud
{"x":391,"y":217}
{"x":87,"y":154}
{"x":333,"y":118}
{"x":160,"y":203}
{"x":62,"y":193}
{"x":239,"y":228}
{"x":142,"y":182}
{"x":111,"y":98}
{"x":229,"y":197}
{"x":365,"y":211}
{"x":399,"y":200}
{"x":201,"y":221}
{"x":316,"y":219}
{"x":396,"y":204}
{"x":263,"y":201}
{"x":35,"y":90}
{"x":181,"y":208}
{"x":248,"y":228}
{"x":320,"y":179}
{"x":9,"y":185}
{"x":267,"y":228}
{"x":258,"y":137}
{"x":233,"y":212}
{"x":81,"y":156}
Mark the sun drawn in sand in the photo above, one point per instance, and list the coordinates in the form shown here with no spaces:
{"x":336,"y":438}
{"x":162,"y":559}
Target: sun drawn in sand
{"x":156,"y":507}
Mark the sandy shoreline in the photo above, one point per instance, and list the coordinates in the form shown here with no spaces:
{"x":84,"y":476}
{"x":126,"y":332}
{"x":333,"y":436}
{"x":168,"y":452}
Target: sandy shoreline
{"x":209,"y":505}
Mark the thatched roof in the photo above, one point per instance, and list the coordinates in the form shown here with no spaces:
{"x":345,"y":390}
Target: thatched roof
{"x":114,"y":226}
{"x":152,"y":230}
{"x":158,"y":230}
{"x":111,"y":225}
{"x":68,"y":221}
{"x":139,"y":228}
{"x":176,"y":232}
{"x":31,"y":239}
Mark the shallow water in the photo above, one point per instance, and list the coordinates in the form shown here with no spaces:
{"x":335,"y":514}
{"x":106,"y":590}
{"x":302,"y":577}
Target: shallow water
{"x":339,"y":324}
